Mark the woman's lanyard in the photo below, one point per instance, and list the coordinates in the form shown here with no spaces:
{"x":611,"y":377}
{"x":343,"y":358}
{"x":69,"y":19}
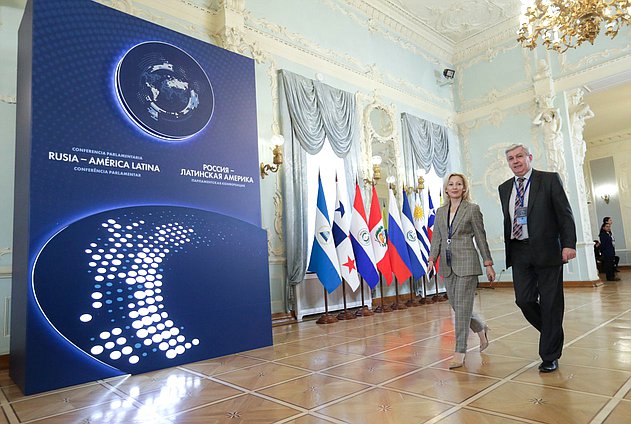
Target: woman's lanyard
{"x":450,"y":223}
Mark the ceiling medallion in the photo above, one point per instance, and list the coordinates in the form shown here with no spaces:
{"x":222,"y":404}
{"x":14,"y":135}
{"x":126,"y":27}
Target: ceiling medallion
{"x":564,"y":24}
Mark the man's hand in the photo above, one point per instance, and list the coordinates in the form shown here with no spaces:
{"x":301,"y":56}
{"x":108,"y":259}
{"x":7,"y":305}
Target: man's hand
{"x":567,"y":254}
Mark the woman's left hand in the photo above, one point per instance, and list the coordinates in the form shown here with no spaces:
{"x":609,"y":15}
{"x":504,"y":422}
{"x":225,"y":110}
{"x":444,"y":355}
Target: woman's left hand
{"x":490,"y":273}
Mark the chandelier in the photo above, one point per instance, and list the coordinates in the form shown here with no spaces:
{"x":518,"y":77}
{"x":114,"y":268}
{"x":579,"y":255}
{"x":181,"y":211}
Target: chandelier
{"x":564,"y":24}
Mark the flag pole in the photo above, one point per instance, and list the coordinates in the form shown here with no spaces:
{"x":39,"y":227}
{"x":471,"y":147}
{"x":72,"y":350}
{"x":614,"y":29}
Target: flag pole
{"x":345,"y":314}
{"x":423,"y":299}
{"x":397,"y":303}
{"x":412,"y":302}
{"x":382,"y":308}
{"x":435,"y":298}
{"x":364,"y":311}
{"x":326,"y":318}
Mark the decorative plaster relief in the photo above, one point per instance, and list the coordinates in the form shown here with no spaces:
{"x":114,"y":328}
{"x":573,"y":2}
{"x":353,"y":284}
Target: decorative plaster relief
{"x":610,"y":138}
{"x":343,"y":60}
{"x":11,"y":100}
{"x":463,"y":19}
{"x":233,"y":39}
{"x":549,"y":119}
{"x":593,"y":59}
{"x":507,"y":94}
{"x":401,"y":21}
{"x":279,"y":250}
{"x":372,"y":25}
{"x":178,"y":19}
{"x":579,"y":112}
{"x":380,"y":138}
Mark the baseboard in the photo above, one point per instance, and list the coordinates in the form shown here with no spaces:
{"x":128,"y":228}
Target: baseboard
{"x":4,"y":362}
{"x":282,"y":318}
{"x":506,"y":284}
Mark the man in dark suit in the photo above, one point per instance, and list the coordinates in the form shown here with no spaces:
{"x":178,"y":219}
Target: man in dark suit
{"x":539,"y":236}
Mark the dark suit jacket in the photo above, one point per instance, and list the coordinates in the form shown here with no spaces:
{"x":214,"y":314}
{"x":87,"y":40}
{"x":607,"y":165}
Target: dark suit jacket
{"x":550,"y":221}
{"x":606,"y":244}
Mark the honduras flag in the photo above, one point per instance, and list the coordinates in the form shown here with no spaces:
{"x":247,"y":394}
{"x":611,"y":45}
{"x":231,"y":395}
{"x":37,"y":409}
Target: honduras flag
{"x":413,"y":245}
{"x":362,"y":245}
{"x":397,"y":247}
{"x":343,"y":246}
{"x":323,"y":256}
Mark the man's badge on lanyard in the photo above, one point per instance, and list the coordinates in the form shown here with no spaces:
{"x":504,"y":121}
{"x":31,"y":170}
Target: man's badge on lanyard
{"x":520,"y":215}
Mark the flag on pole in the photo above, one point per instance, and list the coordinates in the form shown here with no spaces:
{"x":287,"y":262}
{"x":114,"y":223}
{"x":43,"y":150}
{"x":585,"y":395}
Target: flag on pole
{"x":397,"y":247}
{"x":343,"y":246}
{"x":323,"y":257}
{"x":360,"y":239}
{"x":421,"y":231}
{"x":430,"y":228}
{"x":412,"y":241}
{"x":378,"y":238}
{"x":431,"y":217}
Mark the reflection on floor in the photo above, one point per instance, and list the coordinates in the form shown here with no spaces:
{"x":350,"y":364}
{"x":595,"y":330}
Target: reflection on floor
{"x":389,"y":368}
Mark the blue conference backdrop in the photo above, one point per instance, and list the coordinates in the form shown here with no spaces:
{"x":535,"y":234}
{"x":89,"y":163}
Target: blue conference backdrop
{"x":137,"y":240}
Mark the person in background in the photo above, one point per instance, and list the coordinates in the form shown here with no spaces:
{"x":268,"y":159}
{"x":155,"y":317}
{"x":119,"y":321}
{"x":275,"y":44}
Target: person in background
{"x":457,"y":223}
{"x":598,"y":256}
{"x":539,"y":237}
{"x":608,"y":252}
{"x":608,"y":220}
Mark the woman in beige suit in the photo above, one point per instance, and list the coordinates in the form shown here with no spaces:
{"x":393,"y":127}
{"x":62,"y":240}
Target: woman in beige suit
{"x":457,"y":223}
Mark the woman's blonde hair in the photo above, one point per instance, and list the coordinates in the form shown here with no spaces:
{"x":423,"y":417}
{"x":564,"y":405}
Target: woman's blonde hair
{"x":465,"y":195}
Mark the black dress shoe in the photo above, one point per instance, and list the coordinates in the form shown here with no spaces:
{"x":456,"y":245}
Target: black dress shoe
{"x":549,"y":366}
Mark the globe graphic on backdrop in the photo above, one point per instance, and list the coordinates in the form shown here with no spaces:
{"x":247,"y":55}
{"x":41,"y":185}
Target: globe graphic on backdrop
{"x":164,"y":91}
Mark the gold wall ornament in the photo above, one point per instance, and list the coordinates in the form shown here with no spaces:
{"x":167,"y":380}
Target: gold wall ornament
{"x":277,"y":141}
{"x":564,"y":24}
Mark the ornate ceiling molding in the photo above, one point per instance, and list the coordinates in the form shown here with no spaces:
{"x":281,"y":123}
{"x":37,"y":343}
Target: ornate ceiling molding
{"x":611,"y":138}
{"x":378,"y":26}
{"x":282,"y":38}
{"x":401,"y":21}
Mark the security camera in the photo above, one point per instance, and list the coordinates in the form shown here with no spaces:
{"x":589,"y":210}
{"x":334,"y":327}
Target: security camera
{"x":449,"y":73}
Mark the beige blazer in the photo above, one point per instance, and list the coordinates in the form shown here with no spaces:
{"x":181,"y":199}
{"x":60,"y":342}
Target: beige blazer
{"x":467,"y":225}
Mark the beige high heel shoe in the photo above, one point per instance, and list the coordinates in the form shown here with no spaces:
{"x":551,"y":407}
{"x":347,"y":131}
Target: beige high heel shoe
{"x":484,"y":339}
{"x":457,"y":361}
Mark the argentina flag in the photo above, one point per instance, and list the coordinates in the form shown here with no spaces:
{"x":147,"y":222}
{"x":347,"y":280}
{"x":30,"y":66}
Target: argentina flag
{"x":323,"y":255}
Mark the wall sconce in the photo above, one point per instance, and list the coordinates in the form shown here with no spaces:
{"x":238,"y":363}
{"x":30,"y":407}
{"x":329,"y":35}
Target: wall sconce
{"x":420,"y":184}
{"x":606,"y":191}
{"x":277,"y":142}
{"x":376,"y":171}
{"x":390,"y":180}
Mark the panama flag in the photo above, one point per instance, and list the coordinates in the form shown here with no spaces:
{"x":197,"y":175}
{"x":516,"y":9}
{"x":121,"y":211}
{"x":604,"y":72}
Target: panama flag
{"x":323,"y":256}
{"x":413,"y":245}
{"x":378,"y":238}
{"x":397,"y":247}
{"x":360,"y":239}
{"x":343,"y":246}
{"x":421,"y":232}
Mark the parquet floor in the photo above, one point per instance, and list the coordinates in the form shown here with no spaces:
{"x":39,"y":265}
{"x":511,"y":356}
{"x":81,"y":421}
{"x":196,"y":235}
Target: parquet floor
{"x":388,"y":368}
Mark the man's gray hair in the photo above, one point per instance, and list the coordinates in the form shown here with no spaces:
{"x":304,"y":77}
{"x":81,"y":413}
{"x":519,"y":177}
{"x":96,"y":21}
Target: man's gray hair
{"x":516,"y":146}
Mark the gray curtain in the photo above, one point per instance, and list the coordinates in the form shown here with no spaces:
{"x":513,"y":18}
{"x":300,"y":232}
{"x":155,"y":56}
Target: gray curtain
{"x":426,"y":144}
{"x":311,"y":112}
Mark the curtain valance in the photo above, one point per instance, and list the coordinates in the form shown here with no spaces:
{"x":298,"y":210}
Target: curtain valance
{"x":428,"y":143}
